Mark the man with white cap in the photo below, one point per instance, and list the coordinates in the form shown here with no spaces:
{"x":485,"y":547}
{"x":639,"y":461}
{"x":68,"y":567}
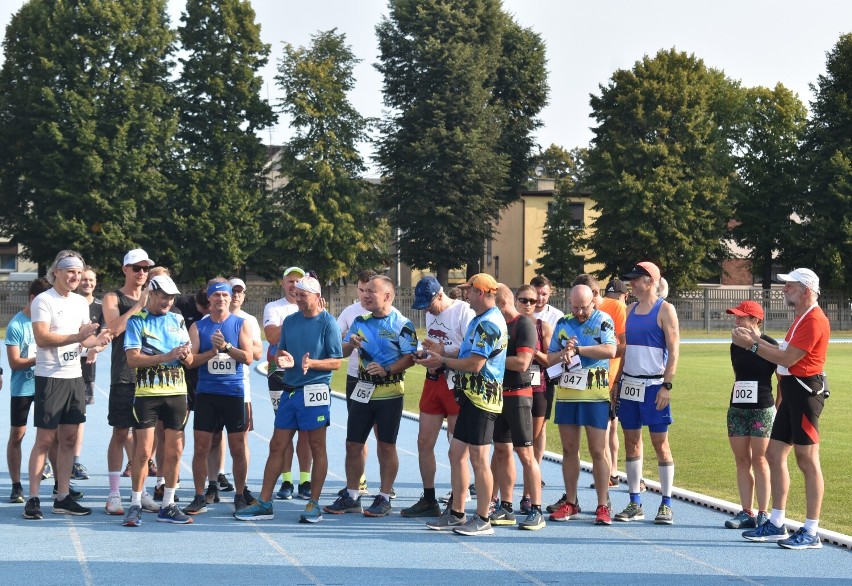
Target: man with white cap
{"x":157,"y":344}
{"x":274,"y":314}
{"x":801,"y":362}
{"x":643,"y":392}
{"x":118,"y":306}
{"x":446,"y":324}
{"x":309,"y":349}
{"x":61,"y":326}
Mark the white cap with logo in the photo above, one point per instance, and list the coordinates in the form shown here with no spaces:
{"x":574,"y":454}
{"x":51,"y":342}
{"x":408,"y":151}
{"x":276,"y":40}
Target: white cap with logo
{"x":806,"y":277}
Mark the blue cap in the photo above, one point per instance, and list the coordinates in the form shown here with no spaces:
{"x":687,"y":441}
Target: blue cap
{"x":219,"y":286}
{"x":425,"y":292}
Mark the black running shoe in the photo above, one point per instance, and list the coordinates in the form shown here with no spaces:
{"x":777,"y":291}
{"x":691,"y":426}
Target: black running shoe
{"x":69,"y":506}
{"x":32,"y":510}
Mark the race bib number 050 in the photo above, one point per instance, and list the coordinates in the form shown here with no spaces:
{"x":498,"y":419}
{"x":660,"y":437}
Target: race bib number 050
{"x":633,"y":389}
{"x":363,"y":391}
{"x":222,"y":364}
{"x":745,"y":391}
{"x":317,"y":395}
{"x":69,"y":354}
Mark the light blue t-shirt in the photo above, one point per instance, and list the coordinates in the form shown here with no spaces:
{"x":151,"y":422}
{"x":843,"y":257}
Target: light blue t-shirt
{"x":486,"y":336}
{"x":319,"y":336}
{"x":155,"y":335}
{"x":598,"y":329}
{"x":19,"y":333}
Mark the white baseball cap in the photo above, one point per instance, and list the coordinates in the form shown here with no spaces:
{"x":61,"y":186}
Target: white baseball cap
{"x":137,"y":256}
{"x":806,"y":277}
{"x":235,"y":282}
{"x":309,"y":284}
{"x":164,"y":284}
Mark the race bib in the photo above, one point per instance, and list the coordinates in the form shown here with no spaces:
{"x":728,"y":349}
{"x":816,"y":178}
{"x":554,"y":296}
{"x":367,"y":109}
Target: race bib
{"x":222,"y":364}
{"x":450,"y":383}
{"x":577,"y":380}
{"x":317,"y":395}
{"x":782,"y":370}
{"x":555,"y":371}
{"x":69,"y":354}
{"x":363,"y":391}
{"x":31,"y":351}
{"x":535,"y":370}
{"x":275,"y":397}
{"x":633,"y":389}
{"x":745,"y":391}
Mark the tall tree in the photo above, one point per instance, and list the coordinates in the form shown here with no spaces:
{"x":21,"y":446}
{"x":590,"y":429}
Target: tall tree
{"x":463,"y":84}
{"x":766,"y":188}
{"x":325,"y":217}
{"x":660,"y":166}
{"x":86,"y":121}
{"x":823,"y":239}
{"x":220,"y":187}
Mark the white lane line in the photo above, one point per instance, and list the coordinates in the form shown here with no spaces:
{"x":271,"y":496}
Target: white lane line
{"x":286,"y":555}
{"x":81,"y":554}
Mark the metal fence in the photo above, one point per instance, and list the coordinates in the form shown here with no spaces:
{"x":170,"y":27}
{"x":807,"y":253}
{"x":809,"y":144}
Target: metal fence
{"x":701,"y":309}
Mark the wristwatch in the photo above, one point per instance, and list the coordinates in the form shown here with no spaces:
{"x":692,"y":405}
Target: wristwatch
{"x":227,"y":346}
{"x":667,"y":386}
{"x":754,"y":347}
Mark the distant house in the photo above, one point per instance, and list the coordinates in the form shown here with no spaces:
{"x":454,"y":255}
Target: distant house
{"x":13,"y":267}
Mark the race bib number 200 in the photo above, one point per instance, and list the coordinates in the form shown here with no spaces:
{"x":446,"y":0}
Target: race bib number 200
{"x":317,"y":395}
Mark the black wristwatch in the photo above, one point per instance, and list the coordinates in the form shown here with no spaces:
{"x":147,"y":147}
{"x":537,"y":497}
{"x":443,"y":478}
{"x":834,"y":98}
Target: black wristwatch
{"x":227,"y":346}
{"x":667,"y":386}
{"x":387,"y":372}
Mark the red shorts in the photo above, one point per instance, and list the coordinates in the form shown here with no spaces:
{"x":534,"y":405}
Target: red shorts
{"x":437,"y":398}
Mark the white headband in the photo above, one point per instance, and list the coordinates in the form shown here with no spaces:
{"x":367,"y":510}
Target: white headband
{"x":69,"y":262}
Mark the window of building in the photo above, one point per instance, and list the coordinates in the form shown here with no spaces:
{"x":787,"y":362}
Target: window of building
{"x":8,"y":258}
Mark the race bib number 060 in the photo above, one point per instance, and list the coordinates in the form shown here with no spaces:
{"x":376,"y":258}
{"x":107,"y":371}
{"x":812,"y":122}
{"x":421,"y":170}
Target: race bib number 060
{"x":633,"y":389}
{"x":363,"y":391}
{"x":317,"y":395}
{"x":222,"y":364}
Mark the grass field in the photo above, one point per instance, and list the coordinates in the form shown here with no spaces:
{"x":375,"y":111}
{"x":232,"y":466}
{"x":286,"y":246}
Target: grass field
{"x":703,"y":459}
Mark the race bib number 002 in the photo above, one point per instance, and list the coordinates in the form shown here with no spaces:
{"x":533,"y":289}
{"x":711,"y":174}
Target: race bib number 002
{"x":222,"y":364}
{"x":633,"y":389}
{"x":363,"y":391}
{"x":576,"y":380}
{"x":745,"y":391}
{"x":317,"y":395}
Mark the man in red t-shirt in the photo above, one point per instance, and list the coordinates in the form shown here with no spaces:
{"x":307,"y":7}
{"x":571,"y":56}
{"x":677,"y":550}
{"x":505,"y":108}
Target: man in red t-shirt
{"x":801,"y":360}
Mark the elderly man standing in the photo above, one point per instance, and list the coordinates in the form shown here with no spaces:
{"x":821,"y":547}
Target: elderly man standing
{"x":801,"y":360}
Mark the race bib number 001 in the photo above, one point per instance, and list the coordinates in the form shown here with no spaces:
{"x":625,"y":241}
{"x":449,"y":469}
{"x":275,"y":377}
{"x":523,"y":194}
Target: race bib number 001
{"x":69,"y":354}
{"x":576,"y":380}
{"x":317,"y":395}
{"x":633,"y":389}
{"x":222,"y":364}
{"x":745,"y":391}
{"x":363,"y":391}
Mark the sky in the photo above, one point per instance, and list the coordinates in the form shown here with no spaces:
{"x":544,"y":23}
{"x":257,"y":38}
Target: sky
{"x":758,"y":42}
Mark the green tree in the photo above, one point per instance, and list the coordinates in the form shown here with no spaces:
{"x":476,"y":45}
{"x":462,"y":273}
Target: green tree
{"x":823,"y":239}
{"x":218,"y":171}
{"x":463,"y":84}
{"x":86,"y":122}
{"x":660,"y":167}
{"x":325,"y":216}
{"x":766,"y":188}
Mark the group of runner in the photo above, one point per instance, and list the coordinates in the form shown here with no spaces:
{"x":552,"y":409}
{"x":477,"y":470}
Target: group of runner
{"x":499,"y":363}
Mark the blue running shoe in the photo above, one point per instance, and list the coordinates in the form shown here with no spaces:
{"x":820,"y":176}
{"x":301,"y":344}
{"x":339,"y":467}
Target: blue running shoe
{"x":380,"y":507}
{"x":305,"y":490}
{"x":742,"y":521}
{"x":344,"y":504}
{"x":312,"y":514}
{"x":133,"y":518}
{"x":262,"y":511}
{"x":801,"y":539}
{"x":766,"y":532}
{"x":173,"y":514}
{"x":285,"y":493}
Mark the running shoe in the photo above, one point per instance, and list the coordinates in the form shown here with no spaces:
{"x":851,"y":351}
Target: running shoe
{"x":262,"y":511}
{"x":113,"y":505}
{"x":446,"y":522}
{"x":664,"y":515}
{"x":224,"y":484}
{"x":421,"y":508}
{"x":603,"y":516}
{"x":133,"y":518}
{"x":312,"y":513}
{"x":613,"y":481}
{"x":526,"y":506}
{"x":249,"y":497}
{"x":17,"y":495}
{"x":475,"y":527}
{"x":380,"y":507}
{"x":344,"y":504}
{"x":801,"y":539}
{"x":127,"y":470}
{"x":79,"y":472}
{"x":558,"y":504}
{"x":742,"y":520}
{"x":392,"y":493}
{"x":362,"y":486}
{"x":159,"y":492}
{"x":642,"y":487}
{"x":502,"y":516}
{"x":565,"y":512}
{"x":493,"y":505}
{"x":173,"y":514}
{"x":472,"y":489}
{"x":304,"y":491}
{"x":148,"y":504}
{"x":766,"y":532}
{"x":446,"y":498}
{"x":69,"y":506}
{"x":47,"y":471}
{"x":211,"y":495}
{"x":534,"y":521}
{"x":633,"y":512}
{"x":762,"y":517}
{"x":239,"y":502}
{"x":152,"y":469}
{"x":75,"y":494}
{"x":285,"y":493}
{"x":32,"y":510}
{"x":198,"y":505}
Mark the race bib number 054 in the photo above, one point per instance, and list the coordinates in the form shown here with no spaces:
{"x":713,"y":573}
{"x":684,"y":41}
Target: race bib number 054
{"x":363,"y":391}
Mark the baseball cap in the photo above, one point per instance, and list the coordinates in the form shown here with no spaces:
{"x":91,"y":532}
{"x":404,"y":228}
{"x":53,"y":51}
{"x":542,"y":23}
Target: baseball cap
{"x":643,"y":269}
{"x":425,"y":292}
{"x":309,"y":284}
{"x":294,"y":270}
{"x":137,"y":256}
{"x":615,"y":286}
{"x":806,"y":277}
{"x":747,"y":307}
{"x":164,"y":284}
{"x":482,"y":281}
{"x":235,"y":282}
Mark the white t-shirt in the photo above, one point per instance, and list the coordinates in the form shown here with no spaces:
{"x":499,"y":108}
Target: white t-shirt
{"x":275,"y":312}
{"x":65,"y":316}
{"x":344,"y":322}
{"x":549,"y":314}
{"x":450,"y":326}
{"x":254,"y":330}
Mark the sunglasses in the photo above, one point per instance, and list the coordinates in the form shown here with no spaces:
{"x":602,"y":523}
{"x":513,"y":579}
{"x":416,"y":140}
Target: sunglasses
{"x":526,"y":300}
{"x":140,"y":268}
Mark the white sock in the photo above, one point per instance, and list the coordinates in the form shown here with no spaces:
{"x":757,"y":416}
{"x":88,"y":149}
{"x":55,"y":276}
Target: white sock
{"x":160,"y":481}
{"x":353,"y":494}
{"x":168,"y":496}
{"x":386,"y":495}
{"x":777,"y":517}
{"x":811,"y":526}
{"x":666,"y":470}
{"x":135,"y":498}
{"x":634,"y":475}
